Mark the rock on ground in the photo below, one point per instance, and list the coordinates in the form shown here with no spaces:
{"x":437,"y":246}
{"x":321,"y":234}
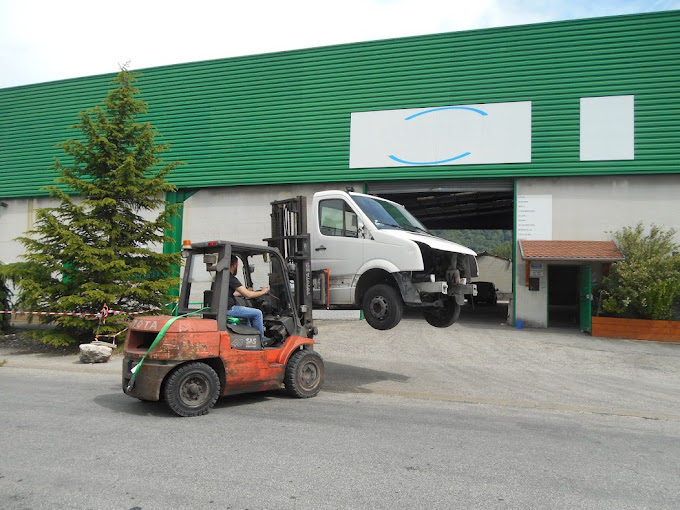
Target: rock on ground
{"x":90,"y":353}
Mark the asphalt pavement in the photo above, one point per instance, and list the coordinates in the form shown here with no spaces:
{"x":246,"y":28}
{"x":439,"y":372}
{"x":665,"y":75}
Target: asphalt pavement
{"x":479,"y":360}
{"x":478,"y":415}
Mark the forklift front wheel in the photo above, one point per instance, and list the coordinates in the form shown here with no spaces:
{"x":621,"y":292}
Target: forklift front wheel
{"x":304,"y":374}
{"x":192,"y":389}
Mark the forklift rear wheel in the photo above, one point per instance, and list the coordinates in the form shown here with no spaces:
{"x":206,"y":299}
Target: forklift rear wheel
{"x":192,"y":389}
{"x":382,"y":307}
{"x":445,"y":316}
{"x":304,"y":374}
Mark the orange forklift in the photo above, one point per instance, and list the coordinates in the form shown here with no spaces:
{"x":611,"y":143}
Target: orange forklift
{"x":191,"y":359}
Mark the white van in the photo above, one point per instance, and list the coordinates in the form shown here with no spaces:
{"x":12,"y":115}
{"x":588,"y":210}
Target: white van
{"x":381,"y":258}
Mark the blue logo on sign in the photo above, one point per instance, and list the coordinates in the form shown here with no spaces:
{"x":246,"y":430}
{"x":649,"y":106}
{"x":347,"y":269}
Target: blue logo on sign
{"x":432,"y":110}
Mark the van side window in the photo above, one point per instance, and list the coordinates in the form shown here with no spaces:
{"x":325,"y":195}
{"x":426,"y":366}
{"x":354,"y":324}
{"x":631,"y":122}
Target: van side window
{"x":336,"y":218}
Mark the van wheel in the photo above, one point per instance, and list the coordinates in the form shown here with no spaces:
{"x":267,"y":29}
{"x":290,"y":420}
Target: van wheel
{"x":304,"y":374}
{"x":192,"y":389}
{"x":445,"y":316}
{"x":382,"y":307}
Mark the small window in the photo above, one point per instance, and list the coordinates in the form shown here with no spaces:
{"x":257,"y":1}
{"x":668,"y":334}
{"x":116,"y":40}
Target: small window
{"x":336,"y":218}
{"x":351,"y":224}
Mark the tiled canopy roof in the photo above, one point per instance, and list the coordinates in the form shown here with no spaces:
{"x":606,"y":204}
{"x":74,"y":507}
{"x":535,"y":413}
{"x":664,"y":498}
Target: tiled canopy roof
{"x":596,"y":251}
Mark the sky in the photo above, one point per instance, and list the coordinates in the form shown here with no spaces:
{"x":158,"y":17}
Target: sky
{"x":48,"y":40}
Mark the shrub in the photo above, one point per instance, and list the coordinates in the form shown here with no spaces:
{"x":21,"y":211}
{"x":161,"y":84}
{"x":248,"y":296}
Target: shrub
{"x":646,"y":285}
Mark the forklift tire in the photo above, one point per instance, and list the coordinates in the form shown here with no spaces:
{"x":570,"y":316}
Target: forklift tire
{"x":382,"y":307}
{"x":192,"y":389}
{"x":304,"y":374}
{"x":445,"y":316}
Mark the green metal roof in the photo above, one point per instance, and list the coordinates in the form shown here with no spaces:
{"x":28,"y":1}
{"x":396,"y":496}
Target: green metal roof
{"x":285,"y":117}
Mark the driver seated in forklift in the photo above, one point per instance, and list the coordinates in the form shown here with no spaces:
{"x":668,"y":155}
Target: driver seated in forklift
{"x":252,"y":315}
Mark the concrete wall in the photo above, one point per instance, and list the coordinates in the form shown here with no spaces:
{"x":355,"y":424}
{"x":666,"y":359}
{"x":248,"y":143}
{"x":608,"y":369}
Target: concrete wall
{"x":237,"y":213}
{"x":241,"y":213}
{"x":18,"y":217}
{"x":587,"y":208}
{"x":583,"y":208}
{"x":591,"y":209}
{"x":497,"y":270}
{"x":15,"y":220}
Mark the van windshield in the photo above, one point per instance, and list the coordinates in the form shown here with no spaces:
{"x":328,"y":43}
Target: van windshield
{"x":388,"y":215}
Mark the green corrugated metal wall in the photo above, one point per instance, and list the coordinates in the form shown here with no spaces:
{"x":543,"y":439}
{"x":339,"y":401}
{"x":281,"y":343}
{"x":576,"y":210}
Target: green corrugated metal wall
{"x":285,"y":117}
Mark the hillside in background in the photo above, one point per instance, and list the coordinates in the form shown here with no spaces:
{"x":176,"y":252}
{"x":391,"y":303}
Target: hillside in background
{"x":496,"y":242}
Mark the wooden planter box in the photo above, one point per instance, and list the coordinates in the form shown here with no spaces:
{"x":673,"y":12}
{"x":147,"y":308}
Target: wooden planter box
{"x":636,"y":329}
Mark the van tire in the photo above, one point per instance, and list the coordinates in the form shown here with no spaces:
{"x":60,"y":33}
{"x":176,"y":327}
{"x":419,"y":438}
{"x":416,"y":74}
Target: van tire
{"x":382,"y":307}
{"x":445,"y":316}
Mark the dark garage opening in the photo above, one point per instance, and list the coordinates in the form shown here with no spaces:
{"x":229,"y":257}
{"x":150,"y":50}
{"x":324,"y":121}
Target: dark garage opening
{"x":475,"y":210}
{"x":459,"y":205}
{"x":563,"y":296}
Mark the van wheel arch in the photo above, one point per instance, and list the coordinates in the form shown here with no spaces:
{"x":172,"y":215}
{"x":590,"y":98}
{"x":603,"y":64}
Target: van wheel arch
{"x":371,"y":278}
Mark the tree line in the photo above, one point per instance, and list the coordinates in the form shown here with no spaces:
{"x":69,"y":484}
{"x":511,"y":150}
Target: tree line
{"x":497,"y":242}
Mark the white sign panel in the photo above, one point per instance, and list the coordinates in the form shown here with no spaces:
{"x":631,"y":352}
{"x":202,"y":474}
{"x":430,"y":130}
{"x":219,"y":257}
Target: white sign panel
{"x":607,"y":128}
{"x":534,"y":217}
{"x":445,"y":135}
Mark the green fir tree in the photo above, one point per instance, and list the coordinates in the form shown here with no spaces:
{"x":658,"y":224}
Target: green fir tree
{"x":99,"y":246}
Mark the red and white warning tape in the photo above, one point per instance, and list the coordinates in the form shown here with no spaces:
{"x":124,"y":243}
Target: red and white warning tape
{"x":113,"y":337}
{"x":101,"y":315}
{"x":105,"y":312}
{"x":23,"y":312}
{"x":77,"y":314}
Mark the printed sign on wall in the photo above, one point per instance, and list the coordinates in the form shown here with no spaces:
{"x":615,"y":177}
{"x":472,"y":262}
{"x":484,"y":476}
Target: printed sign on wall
{"x":445,"y":135}
{"x":534,"y":217}
{"x":536,"y":270}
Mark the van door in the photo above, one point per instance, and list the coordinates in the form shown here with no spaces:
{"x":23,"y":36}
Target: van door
{"x":336,"y":246}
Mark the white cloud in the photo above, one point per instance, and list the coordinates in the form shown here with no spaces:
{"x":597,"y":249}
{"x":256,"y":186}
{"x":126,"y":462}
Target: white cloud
{"x":50,"y":40}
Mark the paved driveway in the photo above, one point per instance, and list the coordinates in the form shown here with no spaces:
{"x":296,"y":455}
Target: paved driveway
{"x":484,"y":361}
{"x":479,"y":360}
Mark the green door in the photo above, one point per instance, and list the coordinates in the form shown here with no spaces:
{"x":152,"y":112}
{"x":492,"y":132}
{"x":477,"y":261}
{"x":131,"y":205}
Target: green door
{"x":585,"y":298}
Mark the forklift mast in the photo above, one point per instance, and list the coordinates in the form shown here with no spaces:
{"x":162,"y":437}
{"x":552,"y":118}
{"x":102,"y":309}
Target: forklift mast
{"x":291,"y":238}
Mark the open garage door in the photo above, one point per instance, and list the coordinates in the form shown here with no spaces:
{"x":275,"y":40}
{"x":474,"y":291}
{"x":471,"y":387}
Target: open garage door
{"x":479,"y":204}
{"x":454,"y":204}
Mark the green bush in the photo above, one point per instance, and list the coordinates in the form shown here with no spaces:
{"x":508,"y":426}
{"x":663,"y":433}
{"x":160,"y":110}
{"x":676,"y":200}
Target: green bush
{"x":646,"y":285}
